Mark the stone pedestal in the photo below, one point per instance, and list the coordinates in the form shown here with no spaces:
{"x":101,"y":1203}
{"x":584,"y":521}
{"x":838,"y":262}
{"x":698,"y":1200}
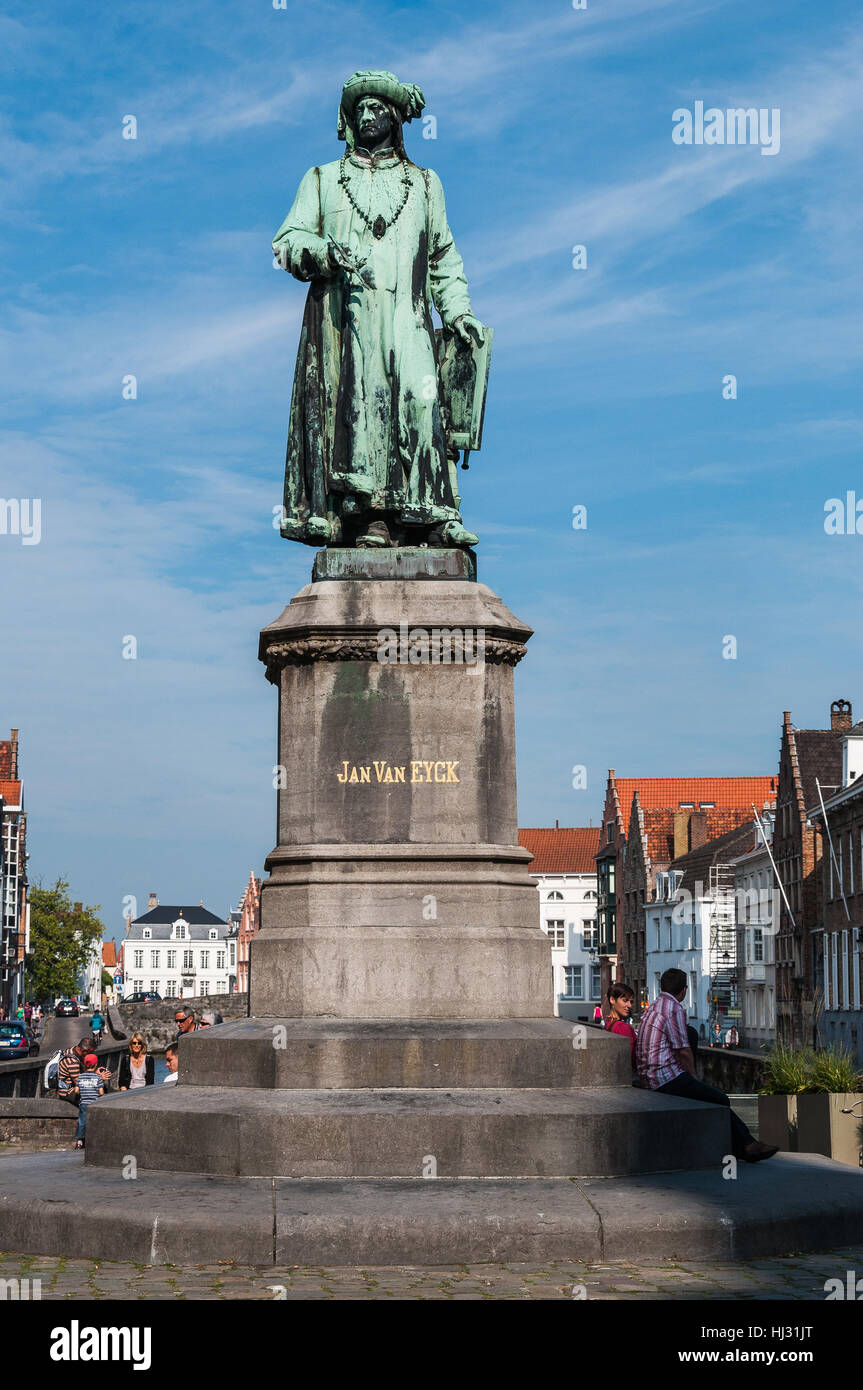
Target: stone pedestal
{"x":397,"y":888}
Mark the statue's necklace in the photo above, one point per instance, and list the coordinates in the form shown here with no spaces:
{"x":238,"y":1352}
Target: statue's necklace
{"x":380,"y":225}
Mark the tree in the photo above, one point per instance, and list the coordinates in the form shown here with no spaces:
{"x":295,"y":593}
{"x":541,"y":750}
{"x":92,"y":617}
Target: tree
{"x":62,"y":936}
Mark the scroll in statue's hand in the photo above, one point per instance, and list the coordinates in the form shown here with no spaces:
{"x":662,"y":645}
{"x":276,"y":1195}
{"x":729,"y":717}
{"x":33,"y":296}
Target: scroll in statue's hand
{"x":466,"y":326}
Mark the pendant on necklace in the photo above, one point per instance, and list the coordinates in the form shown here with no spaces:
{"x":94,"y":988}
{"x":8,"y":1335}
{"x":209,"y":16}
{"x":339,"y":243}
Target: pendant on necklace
{"x":379,"y":227}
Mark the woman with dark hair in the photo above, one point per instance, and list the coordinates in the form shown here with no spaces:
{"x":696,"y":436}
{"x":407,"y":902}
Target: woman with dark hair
{"x":137,"y":1068}
{"x":620,"y":1001}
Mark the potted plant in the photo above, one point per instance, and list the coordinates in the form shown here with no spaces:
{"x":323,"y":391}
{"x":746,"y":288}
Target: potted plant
{"x":811,"y":1102}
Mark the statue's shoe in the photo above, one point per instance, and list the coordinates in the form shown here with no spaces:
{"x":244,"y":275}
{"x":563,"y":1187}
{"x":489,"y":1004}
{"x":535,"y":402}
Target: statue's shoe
{"x":318,"y":528}
{"x":453,"y":533}
{"x":371,"y":541}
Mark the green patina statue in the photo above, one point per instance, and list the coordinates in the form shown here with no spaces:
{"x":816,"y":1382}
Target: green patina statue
{"x":372,"y":447}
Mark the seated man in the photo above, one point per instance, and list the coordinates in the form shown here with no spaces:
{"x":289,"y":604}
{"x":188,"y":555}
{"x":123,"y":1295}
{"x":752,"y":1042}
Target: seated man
{"x":666,"y":1062}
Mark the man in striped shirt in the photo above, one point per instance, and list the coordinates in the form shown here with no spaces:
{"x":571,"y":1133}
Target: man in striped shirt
{"x":666,"y":1062}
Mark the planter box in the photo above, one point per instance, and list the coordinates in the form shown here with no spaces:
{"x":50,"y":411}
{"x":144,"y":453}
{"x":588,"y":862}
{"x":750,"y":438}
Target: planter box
{"x":777,"y":1121}
{"x":823,"y":1129}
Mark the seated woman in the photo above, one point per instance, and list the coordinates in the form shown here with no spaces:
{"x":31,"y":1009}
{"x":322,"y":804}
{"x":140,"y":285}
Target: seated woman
{"x":137,"y":1068}
{"x":620,"y":1000}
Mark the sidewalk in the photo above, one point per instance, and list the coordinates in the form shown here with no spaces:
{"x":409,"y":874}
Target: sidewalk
{"x":793,"y":1277}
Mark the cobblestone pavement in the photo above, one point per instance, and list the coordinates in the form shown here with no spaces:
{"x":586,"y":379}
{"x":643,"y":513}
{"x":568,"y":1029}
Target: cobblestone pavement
{"x":793,"y":1277}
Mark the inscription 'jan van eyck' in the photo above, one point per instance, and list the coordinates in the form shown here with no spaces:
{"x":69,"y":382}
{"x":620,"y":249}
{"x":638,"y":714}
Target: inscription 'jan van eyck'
{"x":439,"y":771}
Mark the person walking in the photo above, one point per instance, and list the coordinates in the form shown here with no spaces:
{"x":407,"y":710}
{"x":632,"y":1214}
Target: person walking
{"x":90,"y":1087}
{"x":666,"y":1063}
{"x":137,"y":1067}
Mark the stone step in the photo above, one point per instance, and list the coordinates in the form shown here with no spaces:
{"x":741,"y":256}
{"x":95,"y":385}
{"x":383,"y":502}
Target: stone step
{"x":320,"y":1054}
{"x":54,"y":1204}
{"x":406,"y":1132}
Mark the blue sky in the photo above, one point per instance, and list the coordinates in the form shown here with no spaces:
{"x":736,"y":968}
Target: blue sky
{"x":150,"y":257}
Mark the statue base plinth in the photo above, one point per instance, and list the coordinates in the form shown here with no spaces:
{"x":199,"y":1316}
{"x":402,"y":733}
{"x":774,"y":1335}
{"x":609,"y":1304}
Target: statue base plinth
{"x":404,"y":562}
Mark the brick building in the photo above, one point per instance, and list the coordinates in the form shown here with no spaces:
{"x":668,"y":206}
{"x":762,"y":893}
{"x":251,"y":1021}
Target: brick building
{"x":249,"y":926}
{"x":647,"y":823}
{"x":808,"y":757}
{"x":837,"y":939}
{"x":14,"y":908}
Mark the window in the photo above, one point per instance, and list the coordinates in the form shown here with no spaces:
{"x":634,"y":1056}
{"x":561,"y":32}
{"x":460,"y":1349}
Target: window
{"x":850,"y":862}
{"x":556,"y":930}
{"x":171,"y":989}
{"x":187,"y":960}
{"x":590,"y":935}
{"x":233,"y":953}
{"x":180,"y":932}
{"x":595,"y":981}
{"x":845,"y":993}
{"x":205,"y":960}
{"x":555,"y":897}
{"x":686,"y":805}
{"x":661,"y":881}
{"x":667,"y":921}
{"x":138,"y":963}
{"x":692,"y":1007}
{"x":212,"y":934}
{"x":172,"y":960}
{"x":221,"y":987}
{"x":154,"y":987}
{"x":590,"y":893}
{"x":154,"y":960}
{"x":220,"y":960}
{"x":757,"y":944}
{"x":609,"y":832}
{"x":658,"y":941}
{"x":204,"y":987}
{"x":707,"y":805}
{"x":146,"y":933}
{"x":573,"y":981}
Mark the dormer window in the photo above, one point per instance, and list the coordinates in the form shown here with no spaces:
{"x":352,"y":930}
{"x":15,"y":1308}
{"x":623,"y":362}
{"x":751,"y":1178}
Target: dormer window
{"x":180,"y":929}
{"x":213,"y":934}
{"x":146,"y":934}
{"x":686,"y":805}
{"x":555,"y":897}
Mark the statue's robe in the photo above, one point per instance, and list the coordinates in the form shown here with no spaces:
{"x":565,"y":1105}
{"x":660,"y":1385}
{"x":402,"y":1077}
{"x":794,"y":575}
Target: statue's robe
{"x":367,"y":432}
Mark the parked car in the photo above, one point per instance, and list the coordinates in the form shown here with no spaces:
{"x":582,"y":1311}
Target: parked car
{"x":66,"y":1008}
{"x":16,"y":1042}
{"x":142,"y":997}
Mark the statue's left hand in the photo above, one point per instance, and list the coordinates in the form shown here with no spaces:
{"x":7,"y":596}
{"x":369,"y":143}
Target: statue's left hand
{"x":466,"y":326}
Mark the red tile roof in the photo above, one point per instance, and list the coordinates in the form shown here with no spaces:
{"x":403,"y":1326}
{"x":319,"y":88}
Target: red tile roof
{"x":728,"y":793}
{"x":109,"y":954}
{"x":10,"y":792}
{"x":564,"y":850}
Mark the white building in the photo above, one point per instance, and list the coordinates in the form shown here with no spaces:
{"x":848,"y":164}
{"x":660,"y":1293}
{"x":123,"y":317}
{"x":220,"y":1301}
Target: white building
{"x":690,"y":925}
{"x":564,"y":869}
{"x":180,"y":953}
{"x":757,"y":920}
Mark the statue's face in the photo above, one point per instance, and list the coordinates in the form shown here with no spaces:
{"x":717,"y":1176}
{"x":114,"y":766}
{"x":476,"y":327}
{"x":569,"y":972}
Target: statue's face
{"x":373,"y":121}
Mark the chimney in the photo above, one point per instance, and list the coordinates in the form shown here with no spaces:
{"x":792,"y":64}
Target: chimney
{"x":152,"y":901}
{"x":13,"y":751}
{"x":681,"y":833}
{"x":557,"y":825}
{"x":840,"y":716}
{"x":697,"y":829}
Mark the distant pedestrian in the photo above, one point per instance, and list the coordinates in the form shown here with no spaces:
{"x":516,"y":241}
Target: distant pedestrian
{"x":137,"y":1067}
{"x":732,"y":1037}
{"x":173,"y":1060}
{"x":28,"y":1013}
{"x":89,"y":1088}
{"x":716,"y":1039}
{"x":97,"y":1024}
{"x":211,"y":1019}
{"x":666,"y":1062}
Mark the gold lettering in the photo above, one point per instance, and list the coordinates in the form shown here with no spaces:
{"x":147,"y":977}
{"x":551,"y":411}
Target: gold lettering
{"x":342,"y":776}
{"x":379,"y":769}
{"x":442,"y":778}
{"x":400,"y":774}
{"x":428,"y":767}
{"x":365,"y":774}
{"x":353,"y":777}
{"x":451,"y":772}
{"x":389,"y":776}
{"x":414,"y":767}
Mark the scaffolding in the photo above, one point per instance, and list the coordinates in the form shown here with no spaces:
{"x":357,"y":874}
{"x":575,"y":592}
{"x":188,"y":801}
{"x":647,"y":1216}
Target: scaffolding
{"x":722,"y":952}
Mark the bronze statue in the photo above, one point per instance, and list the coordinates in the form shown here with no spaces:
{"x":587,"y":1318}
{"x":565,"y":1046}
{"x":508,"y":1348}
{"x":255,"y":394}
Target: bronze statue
{"x":372,"y":449}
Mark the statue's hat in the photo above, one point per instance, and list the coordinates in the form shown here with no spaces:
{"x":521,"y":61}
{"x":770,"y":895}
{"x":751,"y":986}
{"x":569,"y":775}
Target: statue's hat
{"x":406,"y":98}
